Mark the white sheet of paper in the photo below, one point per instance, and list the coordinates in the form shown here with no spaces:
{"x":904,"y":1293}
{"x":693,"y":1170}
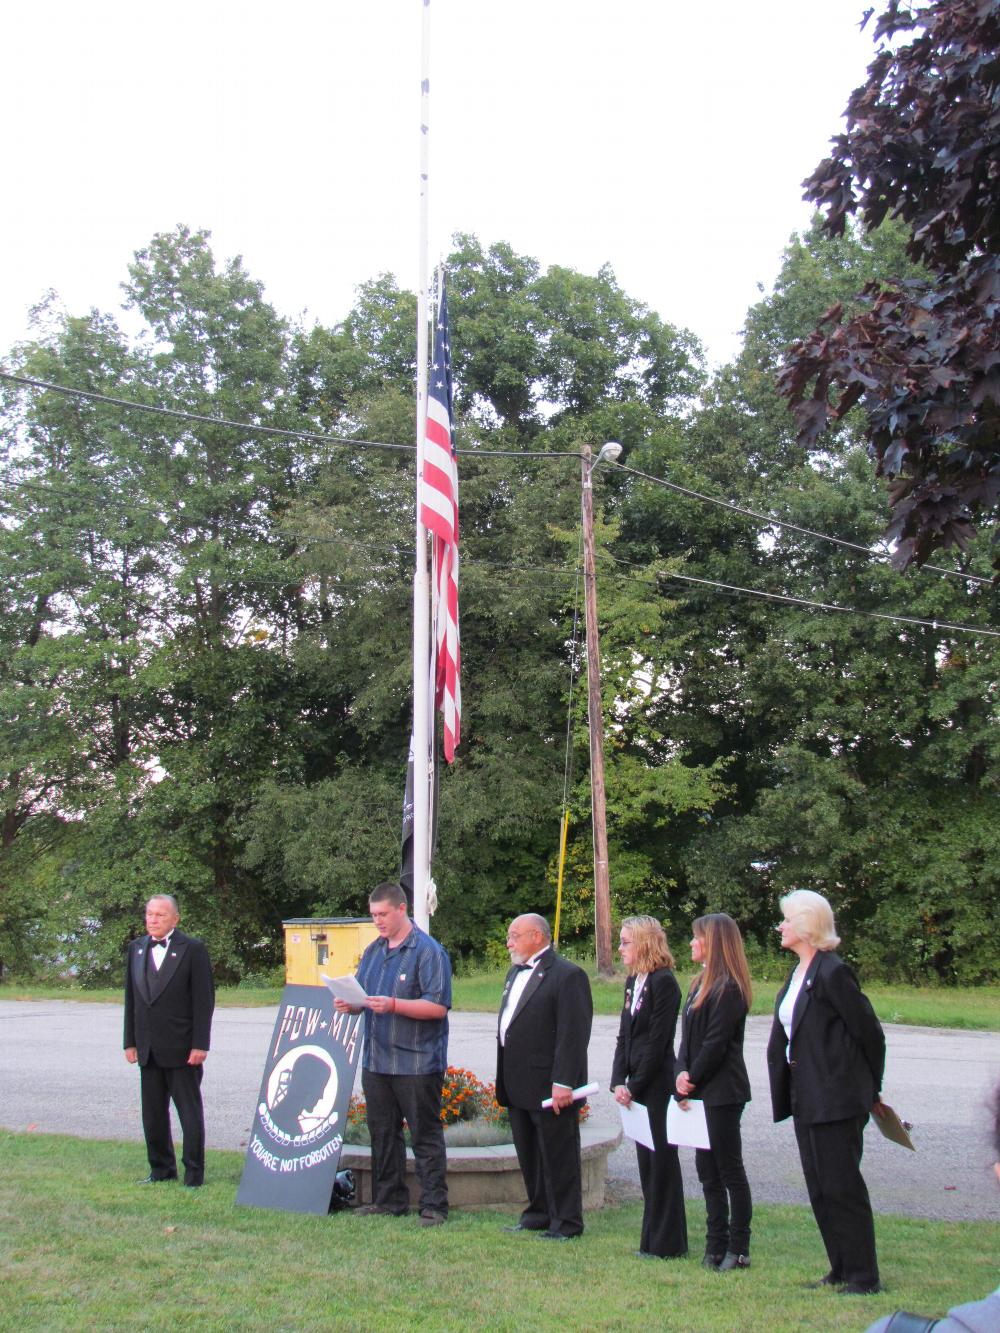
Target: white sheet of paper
{"x":585,"y":1090}
{"x":635,"y":1123}
{"x":687,"y":1129}
{"x":348,"y":989}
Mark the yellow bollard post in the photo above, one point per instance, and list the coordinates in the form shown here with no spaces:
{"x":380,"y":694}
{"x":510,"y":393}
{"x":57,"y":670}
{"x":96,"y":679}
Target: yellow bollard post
{"x":562,"y":866}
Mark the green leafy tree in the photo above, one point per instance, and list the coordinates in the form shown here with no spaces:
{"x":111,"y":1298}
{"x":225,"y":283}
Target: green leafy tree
{"x":826,"y":722}
{"x":80,"y":569}
{"x":149,"y":587}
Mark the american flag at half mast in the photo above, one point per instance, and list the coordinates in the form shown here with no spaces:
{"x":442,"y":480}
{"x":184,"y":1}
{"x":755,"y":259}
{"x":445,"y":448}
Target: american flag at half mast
{"x":439,"y":514}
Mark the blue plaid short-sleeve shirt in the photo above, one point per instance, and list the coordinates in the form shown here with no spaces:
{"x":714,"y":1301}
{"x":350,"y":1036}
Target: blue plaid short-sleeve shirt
{"x":417,"y":969}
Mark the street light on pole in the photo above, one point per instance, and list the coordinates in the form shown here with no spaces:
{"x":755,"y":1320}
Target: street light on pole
{"x":602,"y":891}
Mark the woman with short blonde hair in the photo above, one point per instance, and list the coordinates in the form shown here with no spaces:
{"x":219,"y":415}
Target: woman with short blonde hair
{"x":812,"y":917}
{"x":650,"y":949}
{"x":825,"y":1060}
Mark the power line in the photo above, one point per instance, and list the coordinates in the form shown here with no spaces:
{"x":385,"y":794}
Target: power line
{"x":311,"y":437}
{"x":819,"y":606}
{"x":770,"y":519}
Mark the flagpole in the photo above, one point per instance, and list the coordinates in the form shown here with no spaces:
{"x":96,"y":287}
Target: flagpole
{"x":430,"y":683}
{"x":421,"y":578}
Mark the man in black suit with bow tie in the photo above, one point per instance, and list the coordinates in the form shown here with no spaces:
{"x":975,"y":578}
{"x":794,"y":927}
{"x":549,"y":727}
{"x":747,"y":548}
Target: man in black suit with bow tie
{"x":169,"y":1000}
{"x":542,"y":1037}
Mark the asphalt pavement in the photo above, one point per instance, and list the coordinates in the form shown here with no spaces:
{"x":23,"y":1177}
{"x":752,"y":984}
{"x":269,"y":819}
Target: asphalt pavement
{"x":62,"y":1071}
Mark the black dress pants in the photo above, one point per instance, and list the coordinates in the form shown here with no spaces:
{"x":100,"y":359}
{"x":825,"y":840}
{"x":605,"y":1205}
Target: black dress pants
{"x":831,"y":1161}
{"x":416,"y":1098}
{"x":664,"y":1221}
{"x":548,"y":1153}
{"x":159,"y":1086}
{"x":724,"y":1183}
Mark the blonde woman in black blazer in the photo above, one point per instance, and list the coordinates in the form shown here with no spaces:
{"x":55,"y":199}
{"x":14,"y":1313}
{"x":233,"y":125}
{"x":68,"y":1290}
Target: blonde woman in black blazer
{"x":643,"y":1071}
{"x":825,"y":1059}
{"x":712,"y":1071}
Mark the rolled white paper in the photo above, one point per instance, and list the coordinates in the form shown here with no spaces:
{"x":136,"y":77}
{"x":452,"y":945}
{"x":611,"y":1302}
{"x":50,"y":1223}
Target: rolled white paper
{"x":578,"y":1094}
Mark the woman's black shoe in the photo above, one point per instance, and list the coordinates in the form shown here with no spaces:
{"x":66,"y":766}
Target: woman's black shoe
{"x":859,"y":1289}
{"x":731,"y":1261}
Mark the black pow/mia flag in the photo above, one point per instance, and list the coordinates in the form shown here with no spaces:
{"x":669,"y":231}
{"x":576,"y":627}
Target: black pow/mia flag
{"x":298,"y":1125}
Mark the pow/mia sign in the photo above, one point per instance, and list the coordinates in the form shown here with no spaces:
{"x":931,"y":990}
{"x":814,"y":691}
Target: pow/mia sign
{"x":298,"y":1126}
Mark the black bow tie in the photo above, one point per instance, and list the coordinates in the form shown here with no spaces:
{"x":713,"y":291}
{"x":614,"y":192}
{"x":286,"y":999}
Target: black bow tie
{"x":159,"y":944}
{"x":522,"y":967}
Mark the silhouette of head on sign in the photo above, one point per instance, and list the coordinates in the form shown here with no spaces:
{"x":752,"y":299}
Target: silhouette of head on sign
{"x":301,"y":1089}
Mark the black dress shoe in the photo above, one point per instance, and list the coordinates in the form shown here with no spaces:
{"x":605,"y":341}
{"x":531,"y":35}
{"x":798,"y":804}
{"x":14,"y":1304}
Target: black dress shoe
{"x":860,"y":1288}
{"x":712,"y":1260}
{"x":154,"y":1180}
{"x":556,"y":1235}
{"x":818,"y":1283}
{"x":732,"y":1261}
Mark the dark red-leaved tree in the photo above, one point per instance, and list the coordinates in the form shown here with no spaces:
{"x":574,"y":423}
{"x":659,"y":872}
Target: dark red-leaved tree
{"x":923,"y":359}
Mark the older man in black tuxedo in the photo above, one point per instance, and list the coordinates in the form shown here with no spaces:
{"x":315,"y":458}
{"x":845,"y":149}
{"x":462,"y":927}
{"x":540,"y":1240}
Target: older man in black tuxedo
{"x":542,"y":1037}
{"x":169,"y":1001}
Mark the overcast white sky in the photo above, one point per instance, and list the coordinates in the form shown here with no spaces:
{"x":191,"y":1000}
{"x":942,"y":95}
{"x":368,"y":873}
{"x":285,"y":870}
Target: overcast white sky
{"x":666,"y":139}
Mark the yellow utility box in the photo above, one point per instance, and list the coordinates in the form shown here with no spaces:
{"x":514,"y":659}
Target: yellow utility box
{"x":330,"y":945}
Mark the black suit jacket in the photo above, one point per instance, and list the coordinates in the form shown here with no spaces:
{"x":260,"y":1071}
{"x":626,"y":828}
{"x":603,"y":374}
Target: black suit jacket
{"x":644,"y":1055}
{"x":168,"y":1013}
{"x":711,"y":1048}
{"x":837,"y":1059}
{"x":547,"y":1037}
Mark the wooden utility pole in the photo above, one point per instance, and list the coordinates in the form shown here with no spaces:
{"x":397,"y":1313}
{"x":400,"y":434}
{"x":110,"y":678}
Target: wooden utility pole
{"x":602,"y":891}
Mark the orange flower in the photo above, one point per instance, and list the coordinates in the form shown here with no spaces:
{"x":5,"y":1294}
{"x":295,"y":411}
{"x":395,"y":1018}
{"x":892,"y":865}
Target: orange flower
{"x":463,"y":1097}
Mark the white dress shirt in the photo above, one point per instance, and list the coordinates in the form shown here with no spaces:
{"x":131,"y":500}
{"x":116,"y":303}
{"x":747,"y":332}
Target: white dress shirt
{"x":517,"y":990}
{"x":157,"y":953}
{"x":787,"y":1007}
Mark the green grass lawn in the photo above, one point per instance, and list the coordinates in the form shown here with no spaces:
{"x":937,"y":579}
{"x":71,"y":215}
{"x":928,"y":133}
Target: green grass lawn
{"x":84,"y":1247}
{"x":926,"y":1006}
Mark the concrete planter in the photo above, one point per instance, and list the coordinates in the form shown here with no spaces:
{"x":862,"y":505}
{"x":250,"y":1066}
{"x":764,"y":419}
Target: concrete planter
{"x":490,"y":1177}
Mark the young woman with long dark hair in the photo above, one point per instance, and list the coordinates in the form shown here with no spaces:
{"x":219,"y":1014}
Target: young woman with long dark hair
{"x":713,"y":1071}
